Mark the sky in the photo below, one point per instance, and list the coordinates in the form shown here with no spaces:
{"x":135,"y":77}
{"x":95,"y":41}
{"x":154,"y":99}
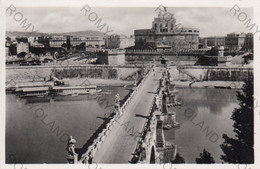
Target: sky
{"x":124,"y":20}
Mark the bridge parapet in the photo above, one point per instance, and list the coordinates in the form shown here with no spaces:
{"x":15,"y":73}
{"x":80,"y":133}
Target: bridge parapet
{"x":148,"y":150}
{"x":147,"y":140}
{"x":97,"y":142}
{"x":152,"y":147}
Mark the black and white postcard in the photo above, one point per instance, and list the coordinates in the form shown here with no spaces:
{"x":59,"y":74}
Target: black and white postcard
{"x":172,"y":84}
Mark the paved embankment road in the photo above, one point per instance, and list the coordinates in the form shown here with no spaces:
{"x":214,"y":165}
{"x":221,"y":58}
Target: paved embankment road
{"x":120,"y":144}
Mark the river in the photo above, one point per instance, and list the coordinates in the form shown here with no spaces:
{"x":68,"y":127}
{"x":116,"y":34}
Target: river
{"x":37,"y":129}
{"x":204,"y":117}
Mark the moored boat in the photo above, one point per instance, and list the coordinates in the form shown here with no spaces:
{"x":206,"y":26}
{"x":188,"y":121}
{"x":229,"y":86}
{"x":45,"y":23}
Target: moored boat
{"x":79,"y":90}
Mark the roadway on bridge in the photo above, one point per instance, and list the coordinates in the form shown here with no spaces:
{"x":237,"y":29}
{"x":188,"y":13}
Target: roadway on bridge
{"x":120,"y":143}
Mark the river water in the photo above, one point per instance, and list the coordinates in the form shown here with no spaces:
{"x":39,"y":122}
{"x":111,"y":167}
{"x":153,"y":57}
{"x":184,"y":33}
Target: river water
{"x":37,"y":130}
{"x":204,"y":117}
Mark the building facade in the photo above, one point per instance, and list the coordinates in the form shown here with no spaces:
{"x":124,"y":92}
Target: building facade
{"x":111,"y":57}
{"x":22,"y":47}
{"x":214,"y":41}
{"x":165,"y":31}
{"x":57,"y":41}
{"x":119,"y":41}
{"x":6,"y":52}
{"x":74,"y":41}
{"x":231,"y":42}
{"x":95,"y":41}
{"x":249,"y":42}
{"x":235,"y":42}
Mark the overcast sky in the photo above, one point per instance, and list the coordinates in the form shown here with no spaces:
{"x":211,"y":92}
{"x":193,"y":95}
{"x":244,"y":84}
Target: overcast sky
{"x":210,"y":21}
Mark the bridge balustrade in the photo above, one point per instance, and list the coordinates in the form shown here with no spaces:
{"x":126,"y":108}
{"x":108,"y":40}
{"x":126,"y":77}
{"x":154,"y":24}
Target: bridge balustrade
{"x":92,"y":149}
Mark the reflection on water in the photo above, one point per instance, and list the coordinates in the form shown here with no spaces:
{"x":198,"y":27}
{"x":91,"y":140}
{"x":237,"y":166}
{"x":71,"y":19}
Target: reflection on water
{"x":204,"y":116}
{"x":30,"y":124}
{"x":31,"y":139}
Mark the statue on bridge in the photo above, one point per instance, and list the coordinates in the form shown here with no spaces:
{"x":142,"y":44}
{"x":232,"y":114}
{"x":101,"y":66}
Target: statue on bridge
{"x":143,"y":151}
{"x":157,"y":101}
{"x":160,"y":82}
{"x":117,"y":101}
{"x":71,"y":150}
{"x":168,"y":74}
{"x":135,"y":84}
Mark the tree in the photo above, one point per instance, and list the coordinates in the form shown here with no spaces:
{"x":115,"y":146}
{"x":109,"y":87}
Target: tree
{"x":64,"y":45}
{"x":240,"y":149}
{"x":178,"y":159}
{"x":205,"y":158}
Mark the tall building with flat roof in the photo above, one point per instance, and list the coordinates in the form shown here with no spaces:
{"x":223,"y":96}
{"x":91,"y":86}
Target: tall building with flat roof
{"x":249,"y":42}
{"x":111,"y":57}
{"x":94,"y":41}
{"x":214,"y":41}
{"x":165,"y":31}
{"x":6,"y":52}
{"x":119,"y":41}
{"x":22,"y":47}
{"x":235,"y":41}
{"x":57,"y":41}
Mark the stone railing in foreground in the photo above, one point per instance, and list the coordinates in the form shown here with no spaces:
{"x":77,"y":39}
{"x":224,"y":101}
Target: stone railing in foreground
{"x":96,"y":144}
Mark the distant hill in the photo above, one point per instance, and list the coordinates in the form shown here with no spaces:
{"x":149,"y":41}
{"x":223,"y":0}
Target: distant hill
{"x":84,"y":33}
{"x":77,"y":33}
{"x":26,"y":34}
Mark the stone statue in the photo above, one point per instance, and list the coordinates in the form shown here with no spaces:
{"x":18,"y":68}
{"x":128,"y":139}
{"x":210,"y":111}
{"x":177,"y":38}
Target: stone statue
{"x":162,"y":13}
{"x":157,"y":101}
{"x":135,"y":84}
{"x":117,"y":99}
{"x":71,"y":149}
{"x":143,"y":151}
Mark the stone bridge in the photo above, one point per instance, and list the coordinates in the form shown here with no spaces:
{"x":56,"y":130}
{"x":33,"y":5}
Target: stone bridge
{"x":134,"y":133}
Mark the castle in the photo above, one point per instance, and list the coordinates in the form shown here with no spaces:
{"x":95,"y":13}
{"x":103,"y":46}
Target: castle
{"x":165,"y":34}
